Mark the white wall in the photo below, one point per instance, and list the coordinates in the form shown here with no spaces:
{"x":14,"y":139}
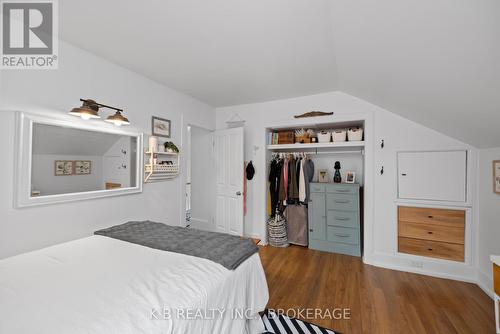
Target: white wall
{"x":83,"y":75}
{"x":398,"y":134}
{"x":489,"y":217}
{"x":45,"y":180}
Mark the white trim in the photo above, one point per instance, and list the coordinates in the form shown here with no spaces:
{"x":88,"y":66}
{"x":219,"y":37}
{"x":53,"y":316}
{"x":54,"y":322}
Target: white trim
{"x":22,"y":189}
{"x":485,"y":282}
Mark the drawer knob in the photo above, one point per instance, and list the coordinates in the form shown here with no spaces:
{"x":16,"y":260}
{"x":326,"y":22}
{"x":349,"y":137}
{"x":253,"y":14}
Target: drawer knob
{"x":429,"y":249}
{"x":429,"y":232}
{"x":430,"y":216}
{"x":311,"y":230}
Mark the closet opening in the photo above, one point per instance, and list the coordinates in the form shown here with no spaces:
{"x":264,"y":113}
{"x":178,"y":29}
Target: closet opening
{"x":199,"y":179}
{"x":316,"y":175}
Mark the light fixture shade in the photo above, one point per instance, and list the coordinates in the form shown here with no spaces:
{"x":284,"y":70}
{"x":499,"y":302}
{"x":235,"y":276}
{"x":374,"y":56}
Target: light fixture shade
{"x":88,"y":110}
{"x":118,"y":119}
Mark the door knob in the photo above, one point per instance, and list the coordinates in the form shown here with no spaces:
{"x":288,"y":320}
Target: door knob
{"x":238,"y":193}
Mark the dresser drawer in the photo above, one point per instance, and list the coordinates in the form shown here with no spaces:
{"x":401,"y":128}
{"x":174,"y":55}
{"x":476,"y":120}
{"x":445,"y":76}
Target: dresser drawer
{"x":441,"y":250}
{"x":432,"y":231}
{"x":342,"y":202}
{"x":343,"y":234}
{"x":430,"y":215}
{"x":342,"y":189}
{"x":342,"y":218}
{"x":317,"y":188}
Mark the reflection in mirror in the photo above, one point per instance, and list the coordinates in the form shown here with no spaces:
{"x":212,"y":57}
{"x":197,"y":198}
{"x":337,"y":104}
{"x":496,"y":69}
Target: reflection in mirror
{"x":68,"y":160}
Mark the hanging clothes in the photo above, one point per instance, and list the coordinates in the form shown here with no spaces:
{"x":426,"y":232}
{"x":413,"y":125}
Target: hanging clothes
{"x":302,"y":182}
{"x":308,"y":177}
{"x":297,"y":224}
{"x":293,"y":189}
{"x":274,"y":185}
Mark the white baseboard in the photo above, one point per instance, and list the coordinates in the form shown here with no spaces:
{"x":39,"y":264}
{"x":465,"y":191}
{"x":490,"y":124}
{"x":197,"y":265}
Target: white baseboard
{"x":485,"y":282}
{"x":435,"y":268}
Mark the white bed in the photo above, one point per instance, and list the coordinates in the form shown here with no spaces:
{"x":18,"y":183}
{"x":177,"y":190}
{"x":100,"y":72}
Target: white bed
{"x":103,"y":285}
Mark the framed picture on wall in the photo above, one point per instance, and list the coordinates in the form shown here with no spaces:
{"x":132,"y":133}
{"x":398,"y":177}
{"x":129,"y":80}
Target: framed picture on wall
{"x":83,"y":167}
{"x":496,"y":176}
{"x":160,"y":127}
{"x":63,"y":168}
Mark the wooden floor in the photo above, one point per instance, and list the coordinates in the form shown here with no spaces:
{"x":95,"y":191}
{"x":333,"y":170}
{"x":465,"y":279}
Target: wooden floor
{"x":380,"y":300}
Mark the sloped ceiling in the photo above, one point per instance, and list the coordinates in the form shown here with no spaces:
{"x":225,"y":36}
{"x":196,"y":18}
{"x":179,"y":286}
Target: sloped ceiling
{"x":436,"y":62}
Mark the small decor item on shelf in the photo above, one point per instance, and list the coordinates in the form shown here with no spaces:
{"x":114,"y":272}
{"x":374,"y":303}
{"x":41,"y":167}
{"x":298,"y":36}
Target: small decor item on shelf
{"x":314,"y":139}
{"x":323,"y":176}
{"x":350,"y":177}
{"x":153,"y":144}
{"x":355,"y":134}
{"x":302,"y":136}
{"x":324,"y":136}
{"x":170,"y":147}
{"x":337,"y":178}
{"x":496,"y":176}
{"x":339,"y":135}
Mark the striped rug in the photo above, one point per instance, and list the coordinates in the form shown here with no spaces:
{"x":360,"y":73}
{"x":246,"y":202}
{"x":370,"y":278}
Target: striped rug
{"x":280,"y":324}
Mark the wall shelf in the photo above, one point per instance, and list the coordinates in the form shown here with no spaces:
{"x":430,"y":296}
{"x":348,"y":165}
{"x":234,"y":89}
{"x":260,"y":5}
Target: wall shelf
{"x":161,"y":172}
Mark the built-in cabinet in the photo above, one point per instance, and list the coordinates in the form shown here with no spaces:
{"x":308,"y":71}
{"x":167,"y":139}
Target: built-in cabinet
{"x":431,"y":232}
{"x":334,"y":218}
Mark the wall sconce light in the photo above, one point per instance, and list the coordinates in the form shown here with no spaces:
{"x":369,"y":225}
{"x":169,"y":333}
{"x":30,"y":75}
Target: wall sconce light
{"x":90,"y":110}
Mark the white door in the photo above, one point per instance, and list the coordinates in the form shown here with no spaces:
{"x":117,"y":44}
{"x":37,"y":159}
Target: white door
{"x":228,"y":145}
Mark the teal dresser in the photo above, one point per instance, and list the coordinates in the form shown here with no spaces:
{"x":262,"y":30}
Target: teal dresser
{"x":334,"y":218}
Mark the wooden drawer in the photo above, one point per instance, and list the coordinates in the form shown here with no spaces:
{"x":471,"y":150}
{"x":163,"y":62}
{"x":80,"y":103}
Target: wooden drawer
{"x":432,"y":231}
{"x":342,"y":189}
{"x":430,"y":215}
{"x":342,"y":202}
{"x":343,"y":235}
{"x":441,"y":250}
{"x":317,"y":188}
{"x":496,"y":278}
{"x":342,"y":218}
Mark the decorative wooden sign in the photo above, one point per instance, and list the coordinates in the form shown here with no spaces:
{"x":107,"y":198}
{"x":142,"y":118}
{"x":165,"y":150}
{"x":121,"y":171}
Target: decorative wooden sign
{"x":314,"y":114}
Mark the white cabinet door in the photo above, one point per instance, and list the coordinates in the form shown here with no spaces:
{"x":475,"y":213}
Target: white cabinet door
{"x":229,"y":179}
{"x":437,"y":176}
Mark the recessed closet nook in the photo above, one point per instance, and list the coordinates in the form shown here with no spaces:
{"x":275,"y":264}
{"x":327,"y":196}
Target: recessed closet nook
{"x":316,"y":175}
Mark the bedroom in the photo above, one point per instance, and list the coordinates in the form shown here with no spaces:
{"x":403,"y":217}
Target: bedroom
{"x":419,"y":78}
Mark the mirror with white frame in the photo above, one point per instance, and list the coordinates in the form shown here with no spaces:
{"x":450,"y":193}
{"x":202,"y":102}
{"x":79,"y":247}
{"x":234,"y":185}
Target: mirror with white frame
{"x":63,"y":160}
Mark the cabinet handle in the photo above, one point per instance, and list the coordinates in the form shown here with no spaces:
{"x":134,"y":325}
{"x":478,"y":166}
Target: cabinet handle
{"x":430,"y":249}
{"x":429,"y":232}
{"x":311,"y":230}
{"x":429,"y":216}
{"x":342,"y":218}
{"x":342,"y":235}
{"x":342,"y":202}
{"x":342,"y":190}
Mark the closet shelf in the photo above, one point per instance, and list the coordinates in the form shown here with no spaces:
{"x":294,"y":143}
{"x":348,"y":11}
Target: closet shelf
{"x":298,"y":146}
{"x":161,"y":153}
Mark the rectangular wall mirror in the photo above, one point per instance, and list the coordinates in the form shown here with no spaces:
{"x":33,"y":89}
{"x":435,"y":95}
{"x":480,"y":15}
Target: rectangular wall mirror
{"x":66,"y":160}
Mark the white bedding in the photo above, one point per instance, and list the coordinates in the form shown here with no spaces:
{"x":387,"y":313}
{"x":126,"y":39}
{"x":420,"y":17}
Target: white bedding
{"x":102,"y":285}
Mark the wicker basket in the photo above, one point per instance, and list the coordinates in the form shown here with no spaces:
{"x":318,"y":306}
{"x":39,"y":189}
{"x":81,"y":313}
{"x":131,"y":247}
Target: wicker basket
{"x":304,"y":139}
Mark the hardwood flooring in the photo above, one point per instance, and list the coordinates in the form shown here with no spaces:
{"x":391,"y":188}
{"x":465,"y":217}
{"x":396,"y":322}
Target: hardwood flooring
{"x":380,"y":300}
